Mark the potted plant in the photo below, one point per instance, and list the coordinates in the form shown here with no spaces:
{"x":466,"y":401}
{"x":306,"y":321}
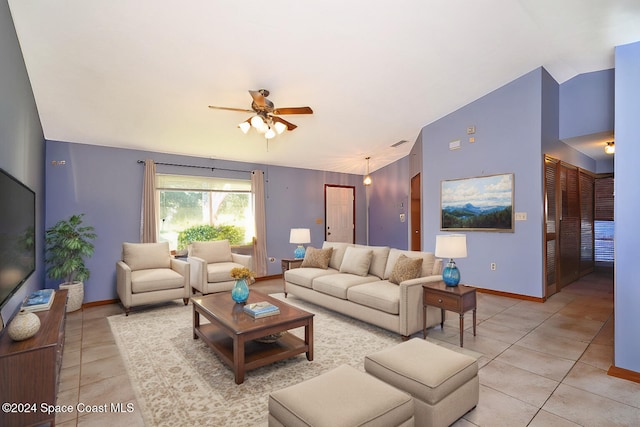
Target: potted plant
{"x":68,"y":243}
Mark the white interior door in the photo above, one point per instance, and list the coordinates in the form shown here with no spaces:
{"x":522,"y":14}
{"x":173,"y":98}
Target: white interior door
{"x":339,"y":213}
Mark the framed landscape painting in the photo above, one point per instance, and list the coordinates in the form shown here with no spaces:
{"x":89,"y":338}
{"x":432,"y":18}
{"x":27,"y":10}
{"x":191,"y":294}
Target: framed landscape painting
{"x":477,"y":204}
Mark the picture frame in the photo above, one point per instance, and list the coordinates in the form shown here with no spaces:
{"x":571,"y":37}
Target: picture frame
{"x":483,"y":203}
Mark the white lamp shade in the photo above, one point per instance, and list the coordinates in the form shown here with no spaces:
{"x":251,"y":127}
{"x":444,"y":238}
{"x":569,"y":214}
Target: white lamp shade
{"x":257,"y":122}
{"x":244,"y":127}
{"x":269,"y":134}
{"x":300,"y":235}
{"x":451,"y":246}
{"x":280,"y":127}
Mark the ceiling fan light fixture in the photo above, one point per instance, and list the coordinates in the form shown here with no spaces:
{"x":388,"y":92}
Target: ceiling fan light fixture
{"x":280,"y":127}
{"x":270,"y":133}
{"x":610,"y":148}
{"x":244,"y":127}
{"x":266,"y":120}
{"x":257,"y":122}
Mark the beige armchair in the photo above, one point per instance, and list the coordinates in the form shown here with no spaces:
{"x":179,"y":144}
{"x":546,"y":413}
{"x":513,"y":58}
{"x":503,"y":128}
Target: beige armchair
{"x":211,"y":264}
{"x":148,"y":274}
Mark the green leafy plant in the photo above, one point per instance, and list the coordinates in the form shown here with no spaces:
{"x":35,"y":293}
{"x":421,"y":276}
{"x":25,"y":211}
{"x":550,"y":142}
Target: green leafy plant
{"x":205,"y":233}
{"x":68,"y":243}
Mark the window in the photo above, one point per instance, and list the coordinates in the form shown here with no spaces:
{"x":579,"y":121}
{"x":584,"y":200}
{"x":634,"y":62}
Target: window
{"x":604,"y":224}
{"x":224,"y":205}
{"x":604,"y":241}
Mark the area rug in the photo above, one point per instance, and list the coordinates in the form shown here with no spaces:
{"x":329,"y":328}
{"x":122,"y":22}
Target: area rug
{"x":180,"y":381}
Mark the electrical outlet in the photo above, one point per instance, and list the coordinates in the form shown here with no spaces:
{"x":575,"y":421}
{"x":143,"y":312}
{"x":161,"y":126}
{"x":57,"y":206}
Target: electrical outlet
{"x":493,"y":266}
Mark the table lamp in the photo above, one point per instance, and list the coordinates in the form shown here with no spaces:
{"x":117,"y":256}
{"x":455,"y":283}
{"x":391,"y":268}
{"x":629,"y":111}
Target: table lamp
{"x":451,"y":246}
{"x":299,"y":236}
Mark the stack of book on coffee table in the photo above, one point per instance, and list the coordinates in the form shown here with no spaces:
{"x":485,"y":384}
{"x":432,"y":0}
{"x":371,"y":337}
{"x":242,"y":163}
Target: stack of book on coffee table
{"x":261,"y":309}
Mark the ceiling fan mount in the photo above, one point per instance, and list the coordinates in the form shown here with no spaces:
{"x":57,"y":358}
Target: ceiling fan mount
{"x":266,"y":110}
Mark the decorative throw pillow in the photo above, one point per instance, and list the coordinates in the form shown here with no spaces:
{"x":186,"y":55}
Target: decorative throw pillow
{"x":317,"y":258}
{"x":356,"y":261}
{"x":405,"y":269}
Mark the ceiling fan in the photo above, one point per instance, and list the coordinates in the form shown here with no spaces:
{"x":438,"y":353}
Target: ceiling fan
{"x":266,"y":118}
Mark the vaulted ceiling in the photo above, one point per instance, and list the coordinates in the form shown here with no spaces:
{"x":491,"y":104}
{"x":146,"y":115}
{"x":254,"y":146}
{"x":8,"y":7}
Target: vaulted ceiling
{"x":140,"y":74}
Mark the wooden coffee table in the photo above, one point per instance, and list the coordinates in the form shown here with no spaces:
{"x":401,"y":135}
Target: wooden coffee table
{"x":231,"y":332}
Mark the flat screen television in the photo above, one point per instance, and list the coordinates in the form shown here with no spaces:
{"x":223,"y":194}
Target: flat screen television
{"x":17,"y":235}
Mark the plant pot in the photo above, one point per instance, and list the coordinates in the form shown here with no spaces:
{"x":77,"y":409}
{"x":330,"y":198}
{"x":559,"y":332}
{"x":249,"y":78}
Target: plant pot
{"x":23,"y":326}
{"x":75,"y":296}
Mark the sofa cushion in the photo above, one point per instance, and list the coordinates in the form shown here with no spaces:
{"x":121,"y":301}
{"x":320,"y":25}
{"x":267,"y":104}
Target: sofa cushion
{"x":337,"y":255}
{"x":155,"y":279}
{"x":381,"y":295}
{"x":378,"y":260}
{"x":318,"y":258}
{"x":428,"y":261}
{"x":337,"y":284}
{"x":221,"y":271}
{"x":405,"y":269}
{"x":143,"y":256}
{"x":305,"y":276}
{"x":213,"y":251}
{"x":356,"y":261}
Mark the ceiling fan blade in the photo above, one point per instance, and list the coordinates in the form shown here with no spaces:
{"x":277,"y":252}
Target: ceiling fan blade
{"x":259,"y":97}
{"x":244,"y":110}
{"x":293,"y":110}
{"x":289,"y":125}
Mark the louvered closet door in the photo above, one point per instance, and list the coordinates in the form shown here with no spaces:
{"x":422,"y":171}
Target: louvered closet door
{"x":550,"y":236}
{"x":569,"y":233}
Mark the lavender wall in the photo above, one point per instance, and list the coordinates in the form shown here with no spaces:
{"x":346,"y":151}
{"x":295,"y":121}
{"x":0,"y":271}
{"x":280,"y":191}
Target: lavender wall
{"x":388,"y":198}
{"x":106,"y":184}
{"x":627,"y":206}
{"x":587,"y":108}
{"x":586,"y":104}
{"x":552,"y":122}
{"x":507,"y":140}
{"x":21,"y":141}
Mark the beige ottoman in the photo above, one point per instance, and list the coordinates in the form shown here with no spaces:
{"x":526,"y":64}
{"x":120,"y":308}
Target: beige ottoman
{"x":343,"y":397}
{"x":443,"y":383}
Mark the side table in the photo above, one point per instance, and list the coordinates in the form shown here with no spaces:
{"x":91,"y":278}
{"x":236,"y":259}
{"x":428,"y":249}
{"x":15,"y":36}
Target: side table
{"x":459,"y":298}
{"x":288,"y":264}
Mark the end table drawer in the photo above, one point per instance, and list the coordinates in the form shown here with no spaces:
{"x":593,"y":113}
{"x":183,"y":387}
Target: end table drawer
{"x":441,"y":301}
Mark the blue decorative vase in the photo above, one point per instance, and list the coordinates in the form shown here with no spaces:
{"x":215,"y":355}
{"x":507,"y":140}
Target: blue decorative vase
{"x":451,"y":274}
{"x":240,"y":291}
{"x":299,"y":252}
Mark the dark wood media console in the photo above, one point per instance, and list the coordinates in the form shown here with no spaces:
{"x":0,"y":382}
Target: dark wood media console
{"x":30,"y":369}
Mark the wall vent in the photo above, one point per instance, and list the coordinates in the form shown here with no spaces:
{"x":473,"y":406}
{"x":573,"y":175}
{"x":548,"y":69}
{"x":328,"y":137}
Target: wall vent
{"x":403,"y":141}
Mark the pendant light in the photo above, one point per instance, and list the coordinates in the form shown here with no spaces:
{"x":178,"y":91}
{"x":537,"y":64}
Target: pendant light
{"x":367,"y":178}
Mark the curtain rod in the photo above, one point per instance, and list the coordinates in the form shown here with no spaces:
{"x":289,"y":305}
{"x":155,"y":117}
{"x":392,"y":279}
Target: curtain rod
{"x":197,"y":167}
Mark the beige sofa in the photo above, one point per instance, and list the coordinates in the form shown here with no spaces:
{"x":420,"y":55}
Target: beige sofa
{"x":211,"y":264}
{"x":147,"y":274}
{"x":369,"y":283}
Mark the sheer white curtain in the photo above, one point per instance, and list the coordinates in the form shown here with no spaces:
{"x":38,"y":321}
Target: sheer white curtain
{"x":260,"y":240}
{"x":148,"y":223}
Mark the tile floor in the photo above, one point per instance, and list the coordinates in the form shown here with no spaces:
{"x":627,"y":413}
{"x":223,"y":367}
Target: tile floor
{"x":542,"y":364}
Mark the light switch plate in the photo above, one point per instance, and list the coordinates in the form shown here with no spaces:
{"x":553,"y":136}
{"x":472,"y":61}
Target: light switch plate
{"x":521,"y":216}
